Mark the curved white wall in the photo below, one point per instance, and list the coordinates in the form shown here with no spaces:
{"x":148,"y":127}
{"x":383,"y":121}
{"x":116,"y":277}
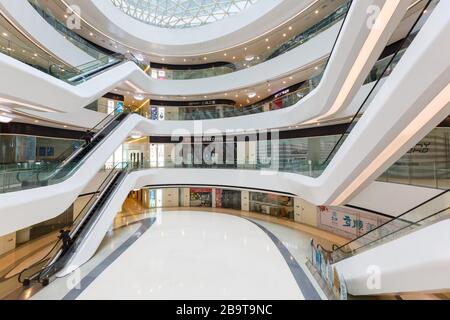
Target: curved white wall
{"x":416,"y":262}
{"x":25,"y":18}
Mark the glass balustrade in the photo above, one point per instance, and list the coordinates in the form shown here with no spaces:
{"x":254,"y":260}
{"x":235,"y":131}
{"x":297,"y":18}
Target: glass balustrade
{"x":19,"y":47}
{"x":211,"y":70}
{"x":226,"y":111}
{"x":426,"y":164}
{"x":383,"y":68}
{"x":88,"y":47}
{"x":287,"y":100}
{"x":252,"y":59}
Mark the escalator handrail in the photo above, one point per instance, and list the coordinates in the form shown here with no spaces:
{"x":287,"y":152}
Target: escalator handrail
{"x":403,"y":228}
{"x":100,"y":191}
{"x":104,"y":185}
{"x":38,"y":262}
{"x":342,"y":247}
{"x":381,"y":76}
{"x":77,"y":151}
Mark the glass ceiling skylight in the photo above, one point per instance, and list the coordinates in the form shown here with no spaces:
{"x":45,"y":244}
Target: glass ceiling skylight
{"x":181,"y":13}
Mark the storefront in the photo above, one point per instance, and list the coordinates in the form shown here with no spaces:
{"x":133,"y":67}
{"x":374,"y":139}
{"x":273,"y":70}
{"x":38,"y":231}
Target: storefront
{"x":230,"y":199}
{"x":201,"y":197}
{"x":272,"y":204}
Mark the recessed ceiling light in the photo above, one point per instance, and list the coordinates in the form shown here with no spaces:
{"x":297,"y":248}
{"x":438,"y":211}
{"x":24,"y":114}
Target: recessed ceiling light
{"x":284,"y":35}
{"x":290,"y":28}
{"x":251,"y":95}
{"x":136,"y":135}
{"x":4,"y":119}
{"x":139,"y":97}
{"x":316,"y":12}
{"x":267,"y":39}
{"x":5,"y":34}
{"x":250,"y":57}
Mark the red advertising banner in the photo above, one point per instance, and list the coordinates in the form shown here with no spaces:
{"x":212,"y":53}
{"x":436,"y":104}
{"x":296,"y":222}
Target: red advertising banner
{"x":218,"y":198}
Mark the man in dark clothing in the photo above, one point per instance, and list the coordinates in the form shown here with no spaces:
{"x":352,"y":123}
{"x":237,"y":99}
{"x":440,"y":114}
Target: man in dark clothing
{"x":87,"y":137}
{"x":64,"y":236}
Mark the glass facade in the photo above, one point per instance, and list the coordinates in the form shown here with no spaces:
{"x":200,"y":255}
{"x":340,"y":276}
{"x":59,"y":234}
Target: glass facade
{"x":181,"y":13}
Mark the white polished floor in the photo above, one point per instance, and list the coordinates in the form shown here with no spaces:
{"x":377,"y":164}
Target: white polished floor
{"x":194,"y":255}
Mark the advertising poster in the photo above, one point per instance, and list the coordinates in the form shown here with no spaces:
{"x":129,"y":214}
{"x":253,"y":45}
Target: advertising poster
{"x":119,"y":107}
{"x":347,"y":222}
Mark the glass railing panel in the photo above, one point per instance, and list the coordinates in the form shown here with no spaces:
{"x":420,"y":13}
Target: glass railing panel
{"x":384,"y":68}
{"x":70,"y":35}
{"x":62,"y":167}
{"x":19,"y":47}
{"x":427,"y":164}
{"x":381,"y":69}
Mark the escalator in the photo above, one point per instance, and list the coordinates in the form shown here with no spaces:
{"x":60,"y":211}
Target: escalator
{"x":66,"y":163}
{"x":424,"y":214}
{"x":61,"y":254}
{"x":401,"y":249}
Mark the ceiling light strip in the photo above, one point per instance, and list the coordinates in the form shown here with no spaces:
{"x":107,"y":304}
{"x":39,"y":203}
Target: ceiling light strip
{"x":375,"y":34}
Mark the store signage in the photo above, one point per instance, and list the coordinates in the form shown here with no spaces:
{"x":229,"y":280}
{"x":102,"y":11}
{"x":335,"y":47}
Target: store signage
{"x":201,"y":103}
{"x":161,"y":74}
{"x":282,"y":93}
{"x":161,"y":113}
{"x":119,"y":107}
{"x":201,"y":190}
{"x":154,"y":113}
